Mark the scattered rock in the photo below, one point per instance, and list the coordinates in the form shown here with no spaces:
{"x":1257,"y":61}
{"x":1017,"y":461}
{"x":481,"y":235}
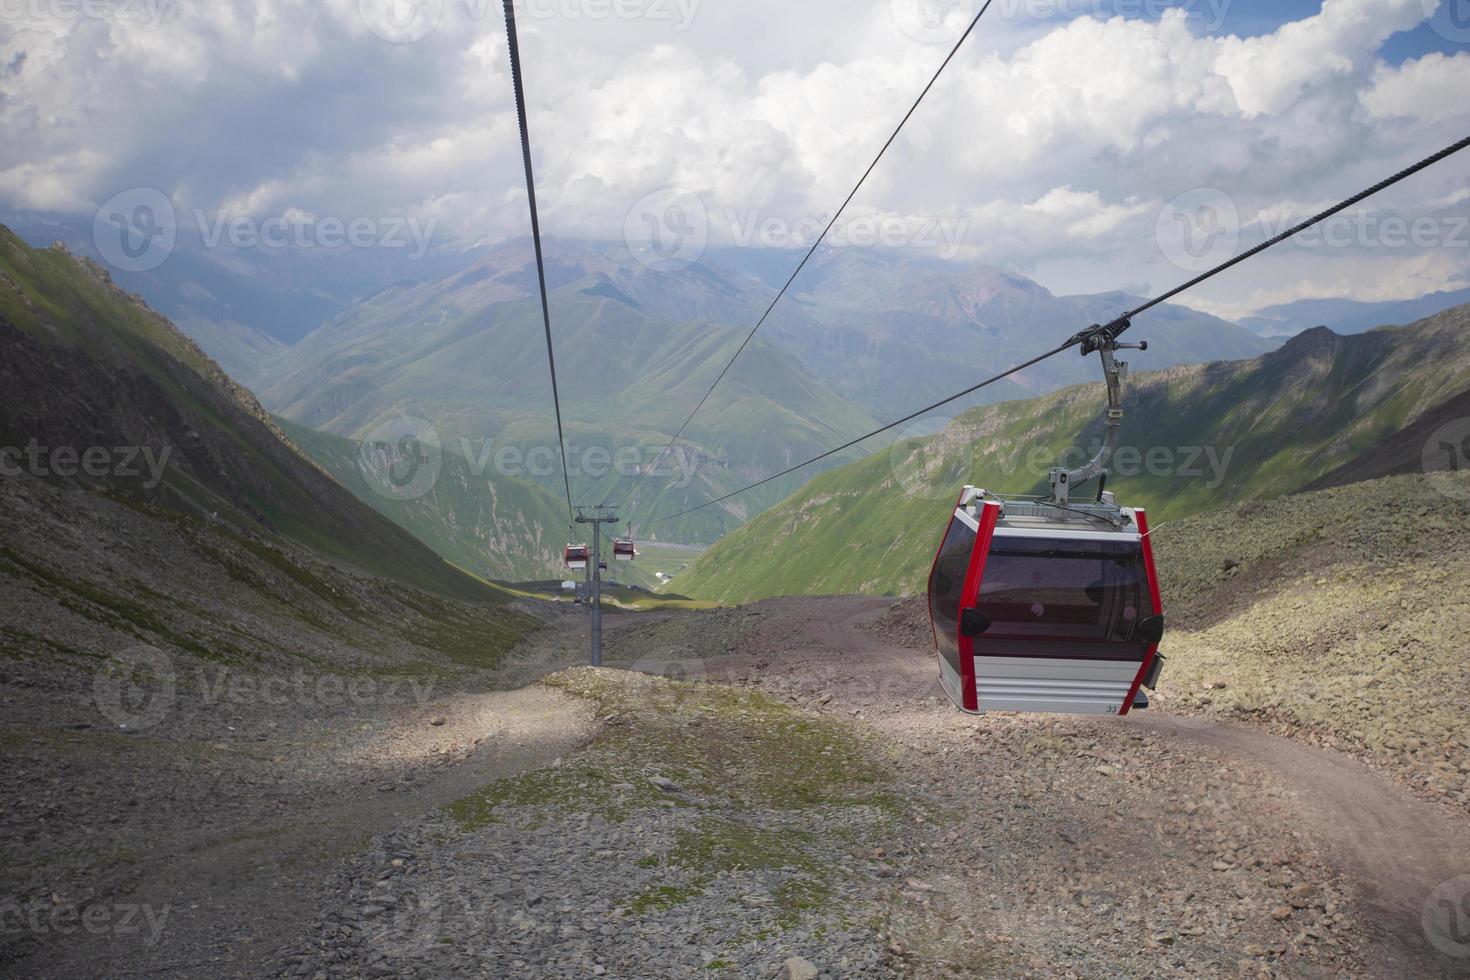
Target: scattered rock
{"x":797,"y":968}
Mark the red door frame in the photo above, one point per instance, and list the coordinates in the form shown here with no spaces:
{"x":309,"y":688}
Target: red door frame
{"x":1141,"y":519}
{"x":970,"y":598}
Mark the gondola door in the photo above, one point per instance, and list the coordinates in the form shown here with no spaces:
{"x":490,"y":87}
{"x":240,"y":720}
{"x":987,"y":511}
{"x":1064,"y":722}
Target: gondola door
{"x":954,"y":587}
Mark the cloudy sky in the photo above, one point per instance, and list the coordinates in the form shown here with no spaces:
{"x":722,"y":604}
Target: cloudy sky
{"x":1089,"y":144}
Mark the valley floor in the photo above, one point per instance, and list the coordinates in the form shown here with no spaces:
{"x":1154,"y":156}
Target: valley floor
{"x":777,"y":790}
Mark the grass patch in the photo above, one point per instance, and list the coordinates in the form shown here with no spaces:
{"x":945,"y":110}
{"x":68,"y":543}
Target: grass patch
{"x":478,"y":641}
{"x":579,"y":788}
{"x":755,"y":775}
{"x":662,"y":899}
{"x":725,"y":742}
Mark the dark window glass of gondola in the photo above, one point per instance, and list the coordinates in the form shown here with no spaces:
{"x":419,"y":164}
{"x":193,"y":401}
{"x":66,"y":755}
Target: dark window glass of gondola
{"x":945,"y":587}
{"x":1073,"y":592}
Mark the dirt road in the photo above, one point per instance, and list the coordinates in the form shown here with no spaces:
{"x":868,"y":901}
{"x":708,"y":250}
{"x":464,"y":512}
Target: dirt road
{"x":217,"y":893}
{"x":997,"y":845}
{"x":1389,"y":849}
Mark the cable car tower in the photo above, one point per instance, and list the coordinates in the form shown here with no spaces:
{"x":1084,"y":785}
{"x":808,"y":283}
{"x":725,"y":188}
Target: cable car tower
{"x":596,"y":516}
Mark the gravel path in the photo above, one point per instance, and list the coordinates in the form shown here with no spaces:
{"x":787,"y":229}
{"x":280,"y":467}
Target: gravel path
{"x":231,"y":860}
{"x":788,"y":796}
{"x":1269,"y":819}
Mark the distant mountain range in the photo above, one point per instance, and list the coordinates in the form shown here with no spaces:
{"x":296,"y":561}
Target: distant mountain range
{"x":244,"y":304}
{"x":1347,"y":316}
{"x":867,"y":336}
{"x":467,"y":354}
{"x":90,"y":365}
{"x":1197,"y":437}
{"x":345,"y":341}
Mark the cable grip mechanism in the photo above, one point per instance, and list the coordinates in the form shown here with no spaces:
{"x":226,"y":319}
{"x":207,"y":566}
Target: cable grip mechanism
{"x":1105,"y":344}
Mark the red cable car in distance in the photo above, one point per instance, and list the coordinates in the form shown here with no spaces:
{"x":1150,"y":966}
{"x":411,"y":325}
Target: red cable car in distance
{"x":624,"y":549}
{"x":1047,"y":604}
{"x":577,"y":556}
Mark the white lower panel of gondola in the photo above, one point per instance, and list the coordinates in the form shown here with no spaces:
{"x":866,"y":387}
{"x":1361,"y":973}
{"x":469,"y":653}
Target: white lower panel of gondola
{"x":1060,"y":686}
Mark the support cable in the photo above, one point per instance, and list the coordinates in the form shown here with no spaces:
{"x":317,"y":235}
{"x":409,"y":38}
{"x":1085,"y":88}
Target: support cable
{"x":515,"y":75}
{"x":810,"y":252}
{"x":1094,"y":338}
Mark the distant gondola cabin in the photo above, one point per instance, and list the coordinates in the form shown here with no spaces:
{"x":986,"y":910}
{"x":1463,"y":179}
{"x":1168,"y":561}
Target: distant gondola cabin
{"x":577,"y":556}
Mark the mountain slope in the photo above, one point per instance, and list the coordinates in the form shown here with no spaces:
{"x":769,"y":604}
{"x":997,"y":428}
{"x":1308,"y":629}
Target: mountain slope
{"x":90,"y":372}
{"x":495,"y":526}
{"x":892,"y":332}
{"x":467,"y":355}
{"x":1196,"y":438}
{"x":868,"y":334}
{"x":245,"y":297}
{"x":1405,"y":451}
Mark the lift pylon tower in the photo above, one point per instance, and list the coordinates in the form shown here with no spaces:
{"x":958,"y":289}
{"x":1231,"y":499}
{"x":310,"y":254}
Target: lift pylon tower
{"x":597,"y":517}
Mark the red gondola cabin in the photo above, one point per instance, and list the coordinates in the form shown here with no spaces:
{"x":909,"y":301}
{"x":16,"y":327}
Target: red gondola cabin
{"x":577,"y":556}
{"x":1039,"y":607}
{"x":624,"y":549}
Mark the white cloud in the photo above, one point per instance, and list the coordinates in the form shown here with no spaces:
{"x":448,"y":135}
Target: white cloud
{"x":1431,"y":88}
{"x":1058,"y":144}
{"x":1269,"y":73}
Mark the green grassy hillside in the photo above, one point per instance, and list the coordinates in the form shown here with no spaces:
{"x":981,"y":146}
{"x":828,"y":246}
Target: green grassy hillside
{"x":89,"y":368}
{"x":474,"y":364}
{"x":1196,"y":438}
{"x":495,"y":526}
